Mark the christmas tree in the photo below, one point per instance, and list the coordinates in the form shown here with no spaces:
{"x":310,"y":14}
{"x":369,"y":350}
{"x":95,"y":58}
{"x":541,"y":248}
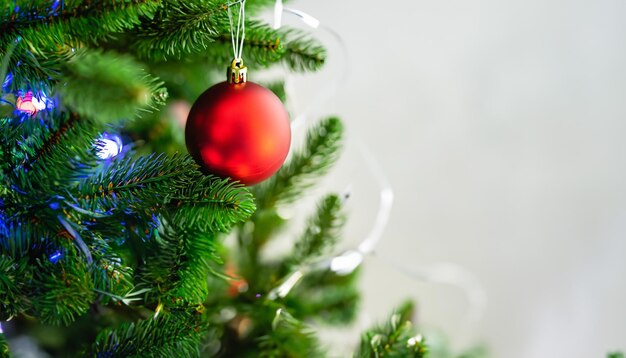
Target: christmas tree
{"x":111,"y":243}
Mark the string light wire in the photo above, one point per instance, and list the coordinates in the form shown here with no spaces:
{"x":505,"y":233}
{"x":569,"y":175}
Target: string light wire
{"x":346,"y":262}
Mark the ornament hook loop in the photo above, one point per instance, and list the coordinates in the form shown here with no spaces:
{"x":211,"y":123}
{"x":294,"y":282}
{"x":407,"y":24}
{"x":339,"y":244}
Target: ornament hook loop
{"x":237,"y":72}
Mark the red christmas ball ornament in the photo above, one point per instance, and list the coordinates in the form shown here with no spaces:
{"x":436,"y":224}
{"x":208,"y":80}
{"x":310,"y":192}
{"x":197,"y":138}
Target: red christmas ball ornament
{"x":238,"y":129}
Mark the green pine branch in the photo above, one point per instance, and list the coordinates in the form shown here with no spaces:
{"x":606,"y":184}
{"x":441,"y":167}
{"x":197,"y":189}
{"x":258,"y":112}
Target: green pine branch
{"x":62,"y":290}
{"x":14,"y":276}
{"x":117,"y":186}
{"x":178,"y":266}
{"x":181,"y":29}
{"x":10,"y":137}
{"x":54,"y":144}
{"x":46,"y":37}
{"x":321,"y":150}
{"x":288,"y":337}
{"x":41,"y":159}
{"x":45,"y":159}
{"x":301,"y":172}
{"x":150,"y":223}
{"x":395,"y":338}
{"x":321,"y":234}
{"x":177,"y":28}
{"x":302,"y":53}
{"x":479,"y":351}
{"x":69,"y":22}
{"x":265,"y":46}
{"x":615,"y":355}
{"x":159,"y":184}
{"x":326,"y":296}
{"x":210,"y":204}
{"x":109,"y":87}
{"x":113,"y":279}
{"x":167,"y":335}
{"x":32,"y":72}
{"x":23,"y":233}
{"x":4,"y":347}
{"x":28,"y":216}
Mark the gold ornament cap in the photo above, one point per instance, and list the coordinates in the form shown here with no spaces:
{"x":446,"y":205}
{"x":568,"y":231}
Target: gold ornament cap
{"x":237,"y":72}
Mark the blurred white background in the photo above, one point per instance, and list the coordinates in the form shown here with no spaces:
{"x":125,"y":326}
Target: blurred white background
{"x":500,"y":126}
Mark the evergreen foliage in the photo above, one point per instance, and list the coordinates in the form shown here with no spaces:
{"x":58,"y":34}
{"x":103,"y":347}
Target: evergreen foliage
{"x":314,"y":160}
{"x":4,"y":347}
{"x":13,"y":299}
{"x":615,"y":355}
{"x":174,"y":335}
{"x":63,"y":290}
{"x":288,"y":337}
{"x":326,"y":297}
{"x":47,"y":33}
{"x":322,"y":231}
{"x":177,"y":267}
{"x":90,"y":71}
{"x":394,"y":338}
{"x":125,"y":256}
{"x":267,"y":46}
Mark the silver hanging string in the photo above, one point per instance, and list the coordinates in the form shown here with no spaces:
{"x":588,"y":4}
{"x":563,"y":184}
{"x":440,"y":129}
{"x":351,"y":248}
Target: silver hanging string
{"x":238,"y":33}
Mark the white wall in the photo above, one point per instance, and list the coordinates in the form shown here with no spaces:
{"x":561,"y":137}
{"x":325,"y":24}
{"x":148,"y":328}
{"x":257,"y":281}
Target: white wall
{"x":500,"y":125}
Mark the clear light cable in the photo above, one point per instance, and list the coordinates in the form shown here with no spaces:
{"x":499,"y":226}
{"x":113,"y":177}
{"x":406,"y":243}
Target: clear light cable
{"x":442,"y":273}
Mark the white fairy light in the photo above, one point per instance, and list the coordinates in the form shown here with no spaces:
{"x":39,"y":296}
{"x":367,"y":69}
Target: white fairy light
{"x":40,"y":101}
{"x":108,"y":146}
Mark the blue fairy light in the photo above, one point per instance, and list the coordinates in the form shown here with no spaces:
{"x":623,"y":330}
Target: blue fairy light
{"x":55,"y":5}
{"x":154,"y":223}
{"x":7,"y":81}
{"x":108,"y":146}
{"x":4,"y":231}
{"x":55,"y":257}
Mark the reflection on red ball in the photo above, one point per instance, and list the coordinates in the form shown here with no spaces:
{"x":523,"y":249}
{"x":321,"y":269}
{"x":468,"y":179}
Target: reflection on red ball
{"x":241,"y":131}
